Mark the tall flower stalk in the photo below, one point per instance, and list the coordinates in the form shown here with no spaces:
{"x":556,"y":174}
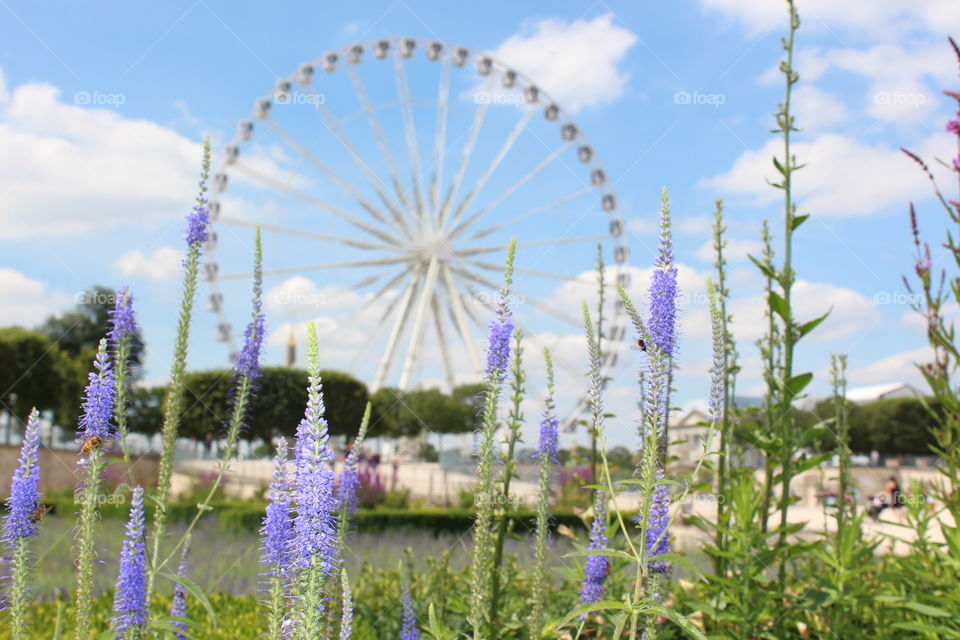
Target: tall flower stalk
{"x":346,"y":615}
{"x":275,"y":543}
{"x":547,"y":456}
{"x":196,"y":236}
{"x":347,"y":496}
{"x":315,"y":528}
{"x":122,"y":328}
{"x":514,"y":422}
{"x":20,"y":524}
{"x":498,"y":359}
{"x":130,"y":598}
{"x":408,"y":628}
{"x":178,"y":608}
{"x":246,"y":370}
{"x":94,"y":431}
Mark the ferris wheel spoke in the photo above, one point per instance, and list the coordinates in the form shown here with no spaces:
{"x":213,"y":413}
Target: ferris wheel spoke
{"x":507,"y":192}
{"x":318,"y":267}
{"x":381,"y":322}
{"x":532,"y":243}
{"x":316,"y":202}
{"x":306,"y":234}
{"x":332,"y":175}
{"x":459,"y":317}
{"x":374,"y":124}
{"x":475,"y":126}
{"x":375,"y":183}
{"x":517,"y":219}
{"x":410,"y":130}
{"x":488,"y":173}
{"x":440,"y":137}
{"x":556,"y":313}
{"x":492,"y":266}
{"x":402,"y":314}
{"x":419,"y":319}
{"x":442,"y":341}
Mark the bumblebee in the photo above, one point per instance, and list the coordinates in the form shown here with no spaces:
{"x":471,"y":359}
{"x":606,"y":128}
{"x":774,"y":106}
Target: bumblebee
{"x":641,"y":345}
{"x":38,"y":513}
{"x":91,"y":444}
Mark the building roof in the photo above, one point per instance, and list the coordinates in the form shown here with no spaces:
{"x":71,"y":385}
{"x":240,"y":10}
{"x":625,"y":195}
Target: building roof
{"x":876,"y":392}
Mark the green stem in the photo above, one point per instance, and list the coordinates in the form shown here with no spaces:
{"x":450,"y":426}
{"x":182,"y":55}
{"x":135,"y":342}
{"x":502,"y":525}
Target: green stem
{"x":85,"y":545}
{"x":18,"y":589}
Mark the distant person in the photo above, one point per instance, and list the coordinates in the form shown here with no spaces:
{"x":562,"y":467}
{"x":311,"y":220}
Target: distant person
{"x":874,"y":458}
{"x":895,"y":496}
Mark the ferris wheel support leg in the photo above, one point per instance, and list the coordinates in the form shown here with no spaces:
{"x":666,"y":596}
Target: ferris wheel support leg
{"x":460,"y":318}
{"x":395,"y":334}
{"x":429,"y":282}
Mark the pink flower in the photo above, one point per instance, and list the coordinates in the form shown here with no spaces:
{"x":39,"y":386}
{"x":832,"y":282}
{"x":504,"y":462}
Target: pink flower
{"x":953,"y":126}
{"x":956,"y":163}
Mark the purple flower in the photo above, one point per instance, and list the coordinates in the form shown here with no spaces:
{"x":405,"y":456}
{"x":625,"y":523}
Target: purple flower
{"x":549,"y":424}
{"x":657,"y":542}
{"x":98,"y":399}
{"x":315,"y":530}
{"x":277,"y":524}
{"x":597,"y":566}
{"x":953,"y":126}
{"x":24,"y":485}
{"x":501,"y":329}
{"x":123,"y":321}
{"x":347,"y":489}
{"x":663,"y":289}
{"x":130,"y":601}
{"x":198,"y":220}
{"x":178,"y":610}
{"x":248,"y":360}
{"x":408,"y":630}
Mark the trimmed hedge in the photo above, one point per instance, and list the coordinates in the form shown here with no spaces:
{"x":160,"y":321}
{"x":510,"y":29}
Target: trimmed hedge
{"x":248,"y":516}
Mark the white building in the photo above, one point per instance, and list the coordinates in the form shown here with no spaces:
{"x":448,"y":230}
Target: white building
{"x":873,"y":393}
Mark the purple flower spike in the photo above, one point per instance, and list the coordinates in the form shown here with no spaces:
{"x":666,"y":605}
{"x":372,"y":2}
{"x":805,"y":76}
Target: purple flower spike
{"x":663,"y":289}
{"x":408,"y":630}
{"x":198,"y":220}
{"x":549,"y":424}
{"x":130,"y":601}
{"x":657,"y":542}
{"x":178,"y":610}
{"x":596,"y":566}
{"x":315,"y":529}
{"x":98,"y":399}
{"x":248,"y":361}
{"x":277,"y":525}
{"x":123,"y":321}
{"x":24,"y":486}
{"x":501,"y":329}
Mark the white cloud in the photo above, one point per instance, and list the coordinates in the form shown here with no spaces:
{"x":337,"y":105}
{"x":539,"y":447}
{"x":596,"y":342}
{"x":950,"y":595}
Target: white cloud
{"x":884,"y":18}
{"x":81,"y":167}
{"x":162,"y":264}
{"x":899,"y":367}
{"x":841,"y":179}
{"x":820,"y":109}
{"x":577,"y":63}
{"x":25,"y":301}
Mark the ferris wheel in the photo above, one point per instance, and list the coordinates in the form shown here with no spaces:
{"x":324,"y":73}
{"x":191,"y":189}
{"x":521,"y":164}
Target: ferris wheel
{"x":387,"y":179}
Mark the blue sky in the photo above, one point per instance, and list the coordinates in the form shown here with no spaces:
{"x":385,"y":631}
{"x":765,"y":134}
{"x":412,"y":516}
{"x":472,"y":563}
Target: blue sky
{"x":103,"y":107}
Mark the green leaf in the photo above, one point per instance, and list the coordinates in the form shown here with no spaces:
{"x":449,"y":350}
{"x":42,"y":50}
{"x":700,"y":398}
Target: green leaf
{"x":611,"y":553}
{"x":765,"y":268}
{"x":798,"y":220}
{"x":797,"y":383}
{"x":197,"y":593}
{"x":927,"y":610}
{"x":600,"y":605}
{"x":813,"y":461}
{"x":807,"y":327}
{"x":926,"y":628}
{"x":680,"y":620}
{"x":779,"y":166}
{"x":779,"y":305}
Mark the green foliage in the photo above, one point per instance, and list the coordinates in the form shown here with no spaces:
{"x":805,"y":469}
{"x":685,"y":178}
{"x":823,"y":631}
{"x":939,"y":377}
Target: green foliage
{"x":32,"y":366}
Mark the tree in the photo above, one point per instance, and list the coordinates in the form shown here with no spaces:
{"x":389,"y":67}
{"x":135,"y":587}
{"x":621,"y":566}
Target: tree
{"x":31,"y":375}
